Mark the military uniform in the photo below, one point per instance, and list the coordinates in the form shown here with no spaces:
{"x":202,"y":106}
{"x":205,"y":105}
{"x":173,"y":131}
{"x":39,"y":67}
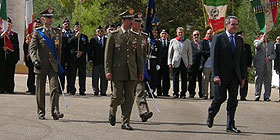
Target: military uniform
{"x":141,"y":100}
{"x":154,"y":62}
{"x":66,"y":34}
{"x":28,"y":61}
{"x":46,"y":65}
{"x":124,"y":60}
{"x":8,"y":61}
{"x":76,"y":63}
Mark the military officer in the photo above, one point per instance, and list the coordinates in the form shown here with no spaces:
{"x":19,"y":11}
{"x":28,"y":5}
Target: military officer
{"x":44,"y":47}
{"x":154,"y":61}
{"x":141,"y":101}
{"x":9,"y":56}
{"x":27,"y":60}
{"x":66,"y":34}
{"x":78,"y":45}
{"x":123,"y":65}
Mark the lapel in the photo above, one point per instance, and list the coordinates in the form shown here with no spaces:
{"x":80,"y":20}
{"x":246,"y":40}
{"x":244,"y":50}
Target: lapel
{"x":228,"y":46}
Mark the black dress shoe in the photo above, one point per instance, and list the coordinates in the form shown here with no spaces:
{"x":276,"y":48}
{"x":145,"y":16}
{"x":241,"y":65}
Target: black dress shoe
{"x":183,"y":97}
{"x":166,"y":95}
{"x":175,"y":96}
{"x":267,"y":99}
{"x":233,"y":130}
{"x":104,"y":94}
{"x":57,"y":116}
{"x":205,"y":97}
{"x":257,"y":99}
{"x":144,"y":117}
{"x":209,"y":122}
{"x":95,"y":94}
{"x":82,"y":94}
{"x":72,"y":93}
{"x":191,"y":96}
{"x":243,"y":99}
{"x":112,"y":120}
{"x":126,"y":127}
{"x":41,"y":118}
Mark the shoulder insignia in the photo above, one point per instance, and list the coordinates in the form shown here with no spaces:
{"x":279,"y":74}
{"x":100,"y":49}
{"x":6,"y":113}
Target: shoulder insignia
{"x":39,"y":28}
{"x":134,"y":32}
{"x":144,"y":33}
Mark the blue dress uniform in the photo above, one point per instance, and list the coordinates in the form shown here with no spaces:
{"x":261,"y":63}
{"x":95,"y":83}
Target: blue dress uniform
{"x":154,"y":57}
{"x":66,"y":34}
{"x":8,"y":61}
{"x":77,"y":63}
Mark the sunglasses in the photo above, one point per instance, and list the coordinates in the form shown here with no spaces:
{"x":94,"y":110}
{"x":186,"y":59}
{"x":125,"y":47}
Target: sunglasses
{"x":196,"y":35}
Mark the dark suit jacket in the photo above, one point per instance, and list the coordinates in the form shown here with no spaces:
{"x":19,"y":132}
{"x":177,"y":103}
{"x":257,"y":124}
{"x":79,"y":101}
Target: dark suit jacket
{"x":277,"y":59}
{"x":196,"y":57}
{"x":225,"y":63}
{"x":204,"y":52}
{"x":164,"y":52}
{"x":73,"y":47}
{"x":13,"y":56}
{"x":96,"y":51}
{"x":247,"y":55}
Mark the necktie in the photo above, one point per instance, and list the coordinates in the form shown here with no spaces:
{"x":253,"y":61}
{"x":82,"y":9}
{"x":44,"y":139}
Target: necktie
{"x":101,"y":42}
{"x":197,"y":46}
{"x":165,"y":43}
{"x":232,"y":43}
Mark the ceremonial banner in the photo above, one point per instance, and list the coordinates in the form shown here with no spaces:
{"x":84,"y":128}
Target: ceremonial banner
{"x":4,"y":17}
{"x":29,"y":15}
{"x":215,"y":12}
{"x":16,"y":11}
{"x":266,"y":13}
{"x":151,"y":10}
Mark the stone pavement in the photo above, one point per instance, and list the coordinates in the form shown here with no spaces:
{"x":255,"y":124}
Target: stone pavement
{"x":86,"y":117}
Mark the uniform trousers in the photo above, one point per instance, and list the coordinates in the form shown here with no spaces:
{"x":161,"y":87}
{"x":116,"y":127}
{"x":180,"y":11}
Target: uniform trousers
{"x":41,"y":89}
{"x":123,"y":95}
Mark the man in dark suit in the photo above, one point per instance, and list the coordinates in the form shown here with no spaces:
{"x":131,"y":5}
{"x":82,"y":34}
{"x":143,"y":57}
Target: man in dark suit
{"x":247,"y":55}
{"x":28,"y":62}
{"x":78,"y":44}
{"x":277,"y":59}
{"x":9,"y":56}
{"x":96,"y":59}
{"x":195,"y":73}
{"x":163,"y":80}
{"x":228,"y":72}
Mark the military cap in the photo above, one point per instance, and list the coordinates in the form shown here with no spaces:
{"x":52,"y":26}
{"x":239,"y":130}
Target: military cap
{"x":9,"y":20}
{"x":37,"y":20}
{"x":66,"y":20}
{"x":138,"y":17}
{"x":128,"y":14}
{"x":164,"y":31}
{"x":99,"y":27}
{"x":47,"y":13}
{"x":77,"y":23}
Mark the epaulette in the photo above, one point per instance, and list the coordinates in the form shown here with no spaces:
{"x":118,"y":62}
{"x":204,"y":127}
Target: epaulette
{"x":116,"y":31}
{"x":39,"y":28}
{"x":134,"y":32}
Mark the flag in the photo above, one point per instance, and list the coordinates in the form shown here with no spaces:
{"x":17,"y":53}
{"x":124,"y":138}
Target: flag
{"x":29,"y":15}
{"x":151,"y":10}
{"x":266,"y":13}
{"x":4,"y":17}
{"x":215,"y":11}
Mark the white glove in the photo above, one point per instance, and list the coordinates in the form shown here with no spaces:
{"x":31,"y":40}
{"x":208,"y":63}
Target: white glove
{"x":157,"y":67}
{"x":152,"y":47}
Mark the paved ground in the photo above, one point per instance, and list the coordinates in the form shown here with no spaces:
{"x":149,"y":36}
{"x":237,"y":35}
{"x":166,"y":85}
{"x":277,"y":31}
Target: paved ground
{"x":86,"y":118}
